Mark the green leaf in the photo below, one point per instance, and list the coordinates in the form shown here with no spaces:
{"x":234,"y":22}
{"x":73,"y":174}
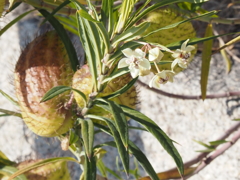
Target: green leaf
{"x":236,"y":119}
{"x":203,"y":144}
{"x":132,"y":33}
{"x":116,"y":74}
{"x":90,"y":168}
{"x":142,"y":159}
{"x":89,"y":37}
{"x":4,"y":160}
{"x":81,"y":94}
{"x":123,"y":152}
{"x":216,"y":143}
{"x":122,"y":90}
{"x":181,"y":22}
{"x":9,"y":98}
{"x":124,"y":14}
{"x":66,"y":2}
{"x":54,"y":92}
{"x":154,"y":129}
{"x":206,"y":58}
{"x":73,"y":137}
{"x":41,"y":163}
{"x":206,"y":150}
{"x":102,"y":168}
{"x":87,"y":16}
{"x":9,"y":170}
{"x":64,"y":37}
{"x":87,"y":131}
{"x":107,"y":15}
{"x":10,"y":113}
{"x":2,"y":4}
{"x":14,"y":21}
{"x":120,"y":121}
{"x":177,"y":45}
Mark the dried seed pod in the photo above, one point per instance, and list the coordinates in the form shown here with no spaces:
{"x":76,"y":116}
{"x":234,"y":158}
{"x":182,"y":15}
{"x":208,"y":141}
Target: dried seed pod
{"x":43,"y":65}
{"x":82,"y":80}
{"x":53,"y":171}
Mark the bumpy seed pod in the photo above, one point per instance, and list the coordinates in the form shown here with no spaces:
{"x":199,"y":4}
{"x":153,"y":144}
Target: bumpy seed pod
{"x":165,"y":17}
{"x":53,"y":171}
{"x":82,"y":80}
{"x":43,"y":65}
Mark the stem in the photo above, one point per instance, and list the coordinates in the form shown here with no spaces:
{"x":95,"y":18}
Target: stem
{"x":188,"y":97}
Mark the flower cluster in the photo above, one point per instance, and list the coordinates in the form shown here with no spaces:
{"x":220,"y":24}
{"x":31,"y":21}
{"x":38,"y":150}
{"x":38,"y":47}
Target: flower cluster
{"x":139,"y":65}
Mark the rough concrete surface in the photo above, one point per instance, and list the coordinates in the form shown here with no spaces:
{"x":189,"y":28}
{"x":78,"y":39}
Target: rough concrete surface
{"x":182,"y":120}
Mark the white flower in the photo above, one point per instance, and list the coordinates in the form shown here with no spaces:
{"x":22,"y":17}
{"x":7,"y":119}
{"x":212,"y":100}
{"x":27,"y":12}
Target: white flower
{"x":136,"y":62}
{"x":161,"y":78}
{"x":182,"y":55}
{"x":155,"y":55}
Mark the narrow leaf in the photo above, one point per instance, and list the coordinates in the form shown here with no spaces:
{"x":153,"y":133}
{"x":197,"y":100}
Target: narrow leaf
{"x":154,"y":129}
{"x":64,"y":37}
{"x":54,"y":92}
{"x":116,"y":74}
{"x":9,"y":170}
{"x":203,"y":144}
{"x":120,"y":121}
{"x":181,"y":22}
{"x":9,"y":98}
{"x":107,"y":15}
{"x":122,"y":90}
{"x":87,"y":131}
{"x":115,"y":133}
{"x":206,"y":58}
{"x":90,"y":168}
{"x":10,"y":113}
{"x":132,"y":33}
{"x":66,"y":2}
{"x":216,"y":143}
{"x":233,"y":41}
{"x":142,"y":159}
{"x":14,"y":21}
{"x":41,"y":163}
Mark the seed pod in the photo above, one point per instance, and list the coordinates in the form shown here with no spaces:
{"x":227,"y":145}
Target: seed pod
{"x":43,"y":65}
{"x":165,"y":17}
{"x":53,"y":171}
{"x":82,"y":80}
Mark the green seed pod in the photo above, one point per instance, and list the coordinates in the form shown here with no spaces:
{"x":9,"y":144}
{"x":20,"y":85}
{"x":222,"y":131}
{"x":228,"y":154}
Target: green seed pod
{"x":43,"y":65}
{"x":165,"y":17}
{"x":82,"y":80}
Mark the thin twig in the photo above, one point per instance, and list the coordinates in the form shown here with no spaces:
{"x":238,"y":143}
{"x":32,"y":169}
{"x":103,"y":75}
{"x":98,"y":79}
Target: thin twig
{"x":216,"y":153}
{"x":188,"y":97}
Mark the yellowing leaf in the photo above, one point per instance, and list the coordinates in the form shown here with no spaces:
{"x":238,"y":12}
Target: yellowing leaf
{"x":206,"y":58}
{"x":171,"y":174}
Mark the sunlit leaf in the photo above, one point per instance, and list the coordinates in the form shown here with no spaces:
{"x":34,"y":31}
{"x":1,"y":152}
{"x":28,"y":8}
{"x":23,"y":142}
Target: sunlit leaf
{"x":55,"y":91}
{"x":87,"y":131}
{"x":9,"y":97}
{"x":216,"y":143}
{"x":90,"y":168}
{"x":10,"y":113}
{"x":123,"y":152}
{"x":9,"y":170}
{"x":5,"y":28}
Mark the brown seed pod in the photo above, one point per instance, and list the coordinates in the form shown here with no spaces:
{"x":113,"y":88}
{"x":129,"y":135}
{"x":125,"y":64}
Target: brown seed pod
{"x":82,"y":80}
{"x":43,"y":65}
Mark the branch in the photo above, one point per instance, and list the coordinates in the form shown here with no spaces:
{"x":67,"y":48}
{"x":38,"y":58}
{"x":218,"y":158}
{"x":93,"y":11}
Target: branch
{"x":187,"y":97}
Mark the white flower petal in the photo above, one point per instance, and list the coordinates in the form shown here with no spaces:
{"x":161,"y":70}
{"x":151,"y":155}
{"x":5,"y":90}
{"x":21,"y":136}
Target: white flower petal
{"x":145,"y":64}
{"x":182,"y":64}
{"x":155,"y":55}
{"x":174,"y":63}
{"x":128,"y":52}
{"x":140,"y":53}
{"x":134,"y":72}
{"x":189,"y":48}
{"x":183,"y":47}
{"x":123,"y":63}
